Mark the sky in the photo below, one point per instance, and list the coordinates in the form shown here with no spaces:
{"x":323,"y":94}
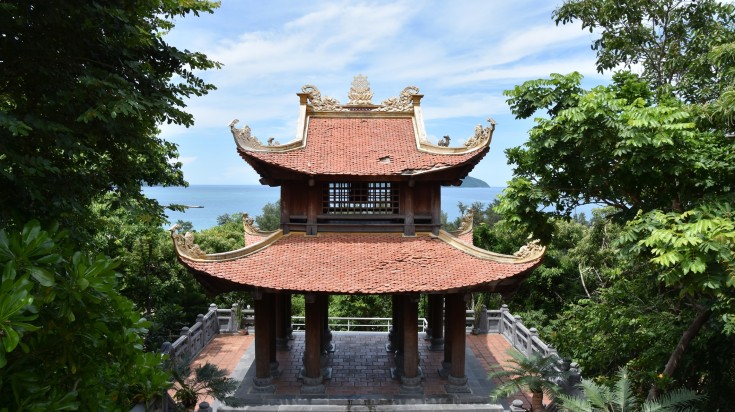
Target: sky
{"x":462,"y":55}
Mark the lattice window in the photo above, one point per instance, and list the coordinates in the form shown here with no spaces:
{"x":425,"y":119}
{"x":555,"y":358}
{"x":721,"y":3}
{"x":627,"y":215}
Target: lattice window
{"x":362,"y":198}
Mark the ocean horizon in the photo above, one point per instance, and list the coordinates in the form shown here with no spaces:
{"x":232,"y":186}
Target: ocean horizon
{"x":207,"y":202}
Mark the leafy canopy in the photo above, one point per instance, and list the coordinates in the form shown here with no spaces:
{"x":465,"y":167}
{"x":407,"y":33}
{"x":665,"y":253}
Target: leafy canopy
{"x":84,"y":87}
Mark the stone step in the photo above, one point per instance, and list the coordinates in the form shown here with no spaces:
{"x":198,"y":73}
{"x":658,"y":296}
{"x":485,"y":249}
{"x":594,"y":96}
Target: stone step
{"x":371,"y":408}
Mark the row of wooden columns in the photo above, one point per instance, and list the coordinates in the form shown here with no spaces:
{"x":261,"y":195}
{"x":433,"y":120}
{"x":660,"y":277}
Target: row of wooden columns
{"x":446,"y":324}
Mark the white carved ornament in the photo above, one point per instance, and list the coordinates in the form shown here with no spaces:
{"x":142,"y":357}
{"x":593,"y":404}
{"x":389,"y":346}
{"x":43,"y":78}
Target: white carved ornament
{"x":185,"y":244}
{"x":360,"y":93}
{"x":532,"y":248}
{"x":402,"y":103}
{"x":243,"y":137}
{"x":467,"y":220}
{"x":322,"y":104}
{"x":482,"y":135}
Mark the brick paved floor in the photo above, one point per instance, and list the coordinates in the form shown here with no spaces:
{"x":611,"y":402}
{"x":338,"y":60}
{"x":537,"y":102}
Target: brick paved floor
{"x":360,"y":366}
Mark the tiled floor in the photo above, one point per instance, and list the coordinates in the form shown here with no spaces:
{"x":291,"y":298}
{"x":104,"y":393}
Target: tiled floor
{"x":360,"y":364}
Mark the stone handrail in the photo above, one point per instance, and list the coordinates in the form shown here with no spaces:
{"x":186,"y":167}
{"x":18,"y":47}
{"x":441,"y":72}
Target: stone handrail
{"x":526,"y":340}
{"x":193,"y":339}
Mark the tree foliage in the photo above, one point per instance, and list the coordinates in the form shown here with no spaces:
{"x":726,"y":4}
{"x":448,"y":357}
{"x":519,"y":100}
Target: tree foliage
{"x":657,"y":149}
{"x":61,"y":316}
{"x":621,"y":398}
{"x":84,"y":88}
{"x":669,"y":39}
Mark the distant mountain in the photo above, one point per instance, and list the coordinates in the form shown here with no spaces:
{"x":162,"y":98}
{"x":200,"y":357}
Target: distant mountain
{"x":470,"y":181}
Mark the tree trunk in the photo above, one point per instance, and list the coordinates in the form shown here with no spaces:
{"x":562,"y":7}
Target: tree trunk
{"x":537,"y":402}
{"x":678,"y":352}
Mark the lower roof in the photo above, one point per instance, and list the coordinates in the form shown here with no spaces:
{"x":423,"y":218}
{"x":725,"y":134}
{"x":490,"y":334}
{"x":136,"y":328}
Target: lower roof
{"x":358,"y":263}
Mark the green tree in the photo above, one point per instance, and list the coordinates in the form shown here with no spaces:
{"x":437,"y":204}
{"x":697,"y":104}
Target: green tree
{"x":84,"y":88}
{"x":61,"y":315}
{"x":270,"y":218}
{"x":670,"y":39}
{"x":655,"y":149}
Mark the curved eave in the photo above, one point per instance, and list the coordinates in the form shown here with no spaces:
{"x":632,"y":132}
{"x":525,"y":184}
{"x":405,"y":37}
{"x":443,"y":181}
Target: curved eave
{"x":364,"y":263}
{"x":488,"y":255}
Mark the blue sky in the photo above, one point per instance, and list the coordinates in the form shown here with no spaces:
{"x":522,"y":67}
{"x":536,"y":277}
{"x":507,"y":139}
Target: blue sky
{"x":462,"y":55}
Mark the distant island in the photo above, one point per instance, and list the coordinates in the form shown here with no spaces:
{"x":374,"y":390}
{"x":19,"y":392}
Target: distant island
{"x":470,"y":181}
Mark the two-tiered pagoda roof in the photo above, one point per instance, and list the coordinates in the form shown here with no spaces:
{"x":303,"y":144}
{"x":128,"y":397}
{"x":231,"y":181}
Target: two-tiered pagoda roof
{"x":360,"y":142}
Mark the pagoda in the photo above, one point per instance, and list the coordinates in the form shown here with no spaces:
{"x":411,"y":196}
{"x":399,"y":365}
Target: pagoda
{"x":360,"y":214}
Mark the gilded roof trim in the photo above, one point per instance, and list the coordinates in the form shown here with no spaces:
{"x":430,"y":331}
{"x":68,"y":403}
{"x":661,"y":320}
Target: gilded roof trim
{"x":530,"y":252}
{"x":407,"y":104}
{"x":185,"y":247}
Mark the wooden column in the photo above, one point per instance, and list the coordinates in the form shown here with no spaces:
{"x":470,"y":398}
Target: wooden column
{"x":327,"y":344}
{"x":312,"y":377}
{"x":436,"y":321}
{"x":457,"y":335}
{"x":263,"y":326}
{"x":411,"y":378}
{"x":272,"y":337}
{"x":283,"y":320}
{"x":435,"y":199}
{"x":398,"y":338}
{"x":392,"y":344}
{"x":289,"y":312}
{"x":448,"y":321}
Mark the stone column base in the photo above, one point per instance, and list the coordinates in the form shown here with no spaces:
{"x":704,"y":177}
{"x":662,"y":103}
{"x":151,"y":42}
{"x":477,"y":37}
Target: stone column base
{"x":263,"y":385}
{"x":313,"y":386}
{"x":411,"y":386}
{"x":445,"y":370}
{"x":274,"y":369}
{"x":428,"y":334}
{"x":457,"y":385}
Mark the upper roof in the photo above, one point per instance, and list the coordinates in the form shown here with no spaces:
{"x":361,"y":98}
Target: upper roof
{"x":370,"y":263}
{"x":361,"y":139}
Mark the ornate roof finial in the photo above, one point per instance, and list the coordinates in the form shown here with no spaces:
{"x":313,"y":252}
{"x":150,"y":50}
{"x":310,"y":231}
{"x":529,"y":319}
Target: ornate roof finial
{"x":319,"y":103}
{"x":531,"y":248}
{"x":243,"y":137}
{"x":360,"y":93}
{"x":185,"y":244}
{"x":482,"y":135}
{"x":402,"y":103}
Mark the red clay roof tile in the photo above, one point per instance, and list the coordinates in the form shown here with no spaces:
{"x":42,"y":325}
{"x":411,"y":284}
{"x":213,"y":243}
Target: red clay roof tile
{"x":370,"y":263}
{"x":367,"y":146}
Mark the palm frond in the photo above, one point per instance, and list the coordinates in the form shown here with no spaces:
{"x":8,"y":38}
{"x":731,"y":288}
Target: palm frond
{"x":574,"y":404}
{"x":679,"y":400}
{"x":623,"y":395}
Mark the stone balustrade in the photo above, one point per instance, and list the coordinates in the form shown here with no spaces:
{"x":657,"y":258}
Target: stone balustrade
{"x":526,"y":340}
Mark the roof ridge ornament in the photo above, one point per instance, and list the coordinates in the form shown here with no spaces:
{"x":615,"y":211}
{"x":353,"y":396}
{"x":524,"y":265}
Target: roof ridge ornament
{"x":185,"y":244}
{"x":319,"y":103}
{"x":531,"y":248}
{"x":402,"y":103}
{"x":482,"y":135}
{"x":360,"y":93}
{"x":243,"y":137}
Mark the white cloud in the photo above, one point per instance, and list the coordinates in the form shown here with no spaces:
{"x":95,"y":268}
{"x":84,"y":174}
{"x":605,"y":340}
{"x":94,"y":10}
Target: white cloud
{"x":461,"y":54}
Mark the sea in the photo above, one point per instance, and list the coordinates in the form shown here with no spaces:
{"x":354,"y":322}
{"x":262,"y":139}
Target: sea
{"x":207,"y":202}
